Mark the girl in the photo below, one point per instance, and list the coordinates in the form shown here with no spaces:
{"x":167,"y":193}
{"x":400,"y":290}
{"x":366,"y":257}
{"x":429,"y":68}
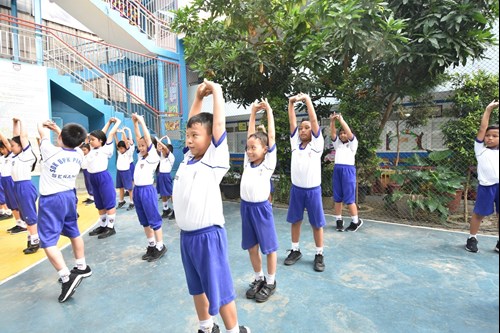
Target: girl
{"x":100,"y":178}
{"x":145,"y":193}
{"x":124,"y":173}
{"x":86,"y":176}
{"x":164,"y":180}
{"x":258,"y":228}
{"x":23,"y":163}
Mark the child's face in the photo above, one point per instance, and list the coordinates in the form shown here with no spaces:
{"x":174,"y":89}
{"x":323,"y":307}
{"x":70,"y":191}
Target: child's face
{"x":85,"y":150}
{"x":122,"y":150}
{"x":198,"y":140}
{"x":94,"y":142}
{"x":3,"y":151}
{"x":343,"y":136}
{"x":16,"y":149}
{"x":256,"y":151}
{"x":305,"y":131}
{"x":491,"y":138}
{"x":143,"y":147}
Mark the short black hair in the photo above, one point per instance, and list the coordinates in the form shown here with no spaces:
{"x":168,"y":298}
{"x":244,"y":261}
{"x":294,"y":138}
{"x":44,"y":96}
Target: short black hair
{"x":99,"y":135}
{"x":2,"y":145}
{"x":72,"y":135}
{"x":170,"y":148}
{"x":121,"y":144}
{"x":492,"y":127}
{"x":85,"y":145}
{"x":260,"y":136}
{"x":205,"y":119}
{"x":17,"y":139}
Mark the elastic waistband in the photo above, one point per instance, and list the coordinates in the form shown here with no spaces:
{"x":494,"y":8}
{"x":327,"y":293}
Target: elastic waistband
{"x":255,"y":204}
{"x":21,"y":182}
{"x":98,"y":173}
{"x":57,"y":193}
{"x":201,"y":231}
{"x":307,"y":188}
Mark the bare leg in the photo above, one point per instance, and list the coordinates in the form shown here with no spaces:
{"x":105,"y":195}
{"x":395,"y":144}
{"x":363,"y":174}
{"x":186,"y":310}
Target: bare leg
{"x":272,"y":262}
{"x":55,"y":257}
{"x":32,"y":229}
{"x":353,"y":209}
{"x":337,"y":208}
{"x":475,"y":222}
{"x":121,"y":194}
{"x":201,"y":305}
{"x":229,"y":315}
{"x":78,"y":247}
{"x":158,"y":235}
{"x":296,"y":231}
{"x":255,"y":258}
{"x":318,"y":236}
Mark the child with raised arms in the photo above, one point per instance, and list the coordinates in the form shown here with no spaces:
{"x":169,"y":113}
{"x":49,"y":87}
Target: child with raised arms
{"x":57,"y":205}
{"x":164,"y":183}
{"x":100,"y":178}
{"x":258,"y":230}
{"x":199,"y":214}
{"x":85,"y":147}
{"x":145,"y":198}
{"x":124,"y":175}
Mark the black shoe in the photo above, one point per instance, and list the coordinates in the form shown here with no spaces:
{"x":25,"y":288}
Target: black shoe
{"x":32,"y":248}
{"x":319,"y":264}
{"x":97,"y":231}
{"x":340,"y":225}
{"x":149,"y":252}
{"x":157,"y":254}
{"x":120,"y":204}
{"x":354,"y":226}
{"x":172,"y":216}
{"x":130,"y":207}
{"x":126,"y":194}
{"x":108,"y":232}
{"x":496,"y":247}
{"x":68,"y":288}
{"x":17,"y":229}
{"x":266,"y":292}
{"x":471,"y":245}
{"x":293,"y":257}
{"x":255,"y":287}
{"x":83,"y":272}
{"x":166,"y":213}
{"x":215,"y":329}
{"x":89,"y":202}
{"x":5,"y":216}
{"x":244,"y":329}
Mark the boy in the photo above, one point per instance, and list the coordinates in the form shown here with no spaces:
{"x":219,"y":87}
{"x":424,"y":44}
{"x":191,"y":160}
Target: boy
{"x":307,"y":145}
{"x":486,"y":150}
{"x":57,"y":204}
{"x":124,"y":174}
{"x":344,"y":173}
{"x":198,"y":206}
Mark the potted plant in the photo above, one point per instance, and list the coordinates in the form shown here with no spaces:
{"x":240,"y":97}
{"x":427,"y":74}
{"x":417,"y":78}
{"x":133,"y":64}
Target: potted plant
{"x":230,"y":184}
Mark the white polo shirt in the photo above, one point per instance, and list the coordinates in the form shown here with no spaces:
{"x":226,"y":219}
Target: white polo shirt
{"x":487,"y":164}
{"x":167,"y":163}
{"x":22,"y":164}
{"x":306,"y":162}
{"x":98,"y":158}
{"x":145,"y":168}
{"x":59,"y":168}
{"x":7,"y":167}
{"x":345,"y":152}
{"x":123,"y":160}
{"x":256,"y":179}
{"x":2,"y":164}
{"x":196,"y":194}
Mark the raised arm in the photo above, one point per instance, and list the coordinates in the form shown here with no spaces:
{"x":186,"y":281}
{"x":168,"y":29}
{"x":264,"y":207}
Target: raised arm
{"x":271,"y":131}
{"x":164,"y":149}
{"x":345,"y":127}
{"x":291,"y":113}
{"x":16,"y":128}
{"x":219,"y":122}
{"x":113,"y":130}
{"x":333,"y":129}
{"x":49,"y":124}
{"x":5,"y":141}
{"x":128,"y":136}
{"x":201,"y":92}
{"x":485,"y":120}
{"x":20,"y":129}
{"x":310,"y":111}
{"x":108,"y":124}
{"x":256,"y":106}
{"x":145,"y":131}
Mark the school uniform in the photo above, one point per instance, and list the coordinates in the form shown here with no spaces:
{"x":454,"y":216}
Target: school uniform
{"x":24,"y":190}
{"x":344,"y":171}
{"x":57,"y":205}
{"x":86,"y":176}
{"x":124,"y":175}
{"x":100,"y":178}
{"x":487,"y":201}
{"x":8,"y":184}
{"x":164,"y":183}
{"x":2,"y":194}
{"x":306,"y":180}
{"x":145,"y":200}
{"x":255,"y":209}
{"x":199,"y":215}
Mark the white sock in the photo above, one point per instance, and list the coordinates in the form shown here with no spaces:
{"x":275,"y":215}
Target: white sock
{"x":159,"y":245}
{"x":235,"y":329}
{"x":259,"y":275}
{"x":34,"y":239}
{"x":2,"y":211}
{"x":165,"y":205}
{"x":21,"y":223}
{"x":337,"y":217}
{"x":8,"y":212}
{"x":64,"y":274}
{"x":355,"y":219}
{"x":81,"y":264}
{"x":270,"y":278}
{"x":295,"y":246}
{"x":319,"y":250}
{"x":151,"y":241}
{"x":207,"y":325}
{"x":91,"y":197}
{"x":110,"y":219}
{"x":471,"y":235}
{"x":102,"y":220}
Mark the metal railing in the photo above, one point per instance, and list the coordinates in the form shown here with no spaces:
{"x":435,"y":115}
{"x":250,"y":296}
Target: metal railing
{"x":156,"y":25}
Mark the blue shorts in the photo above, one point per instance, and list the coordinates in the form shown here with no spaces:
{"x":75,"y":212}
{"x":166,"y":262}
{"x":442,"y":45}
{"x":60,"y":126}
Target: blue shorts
{"x":164,"y":184}
{"x":57,"y":216}
{"x":487,"y":199}
{"x":206,"y":265}
{"x":344,"y":183}
{"x":10,"y":198}
{"x":306,"y":198}
{"x":258,"y":226}
{"x":104,"y":190}
{"x":132,"y":168}
{"x":88,"y":185}
{"x":2,"y":194}
{"x":272,"y":185}
{"x":26,"y":195}
{"x":146,"y":206}
{"x":124,"y":179}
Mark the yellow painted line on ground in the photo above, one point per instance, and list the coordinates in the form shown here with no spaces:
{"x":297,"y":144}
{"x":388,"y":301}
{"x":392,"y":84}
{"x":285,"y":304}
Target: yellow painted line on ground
{"x":12,"y":258}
